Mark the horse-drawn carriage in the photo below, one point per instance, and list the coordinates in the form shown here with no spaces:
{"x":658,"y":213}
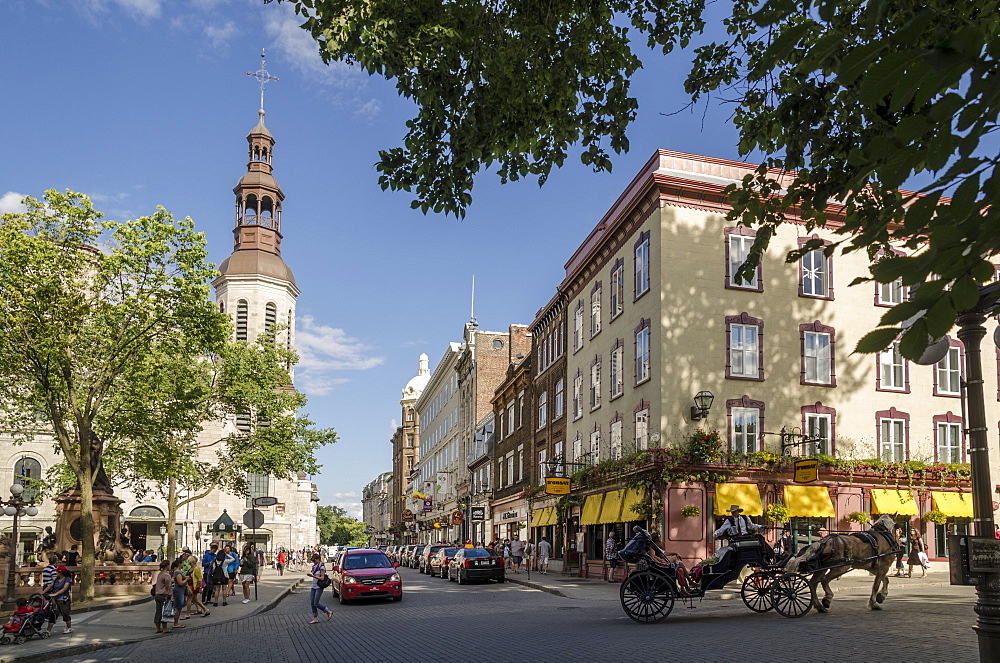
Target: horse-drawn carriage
{"x":784,"y":584}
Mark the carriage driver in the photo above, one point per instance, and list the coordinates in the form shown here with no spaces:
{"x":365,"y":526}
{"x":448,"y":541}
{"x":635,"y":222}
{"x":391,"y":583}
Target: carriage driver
{"x":736,"y":524}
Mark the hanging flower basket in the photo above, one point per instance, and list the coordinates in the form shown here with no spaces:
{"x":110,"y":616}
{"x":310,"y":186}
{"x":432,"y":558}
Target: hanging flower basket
{"x":859,"y":517}
{"x":936,"y":517}
{"x":690,"y":512}
{"x":777,"y":513}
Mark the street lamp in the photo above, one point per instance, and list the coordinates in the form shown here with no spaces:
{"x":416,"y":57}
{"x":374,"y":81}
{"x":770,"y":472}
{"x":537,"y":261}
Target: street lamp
{"x":702,"y":404}
{"x":16,"y":507}
{"x":163,"y":534}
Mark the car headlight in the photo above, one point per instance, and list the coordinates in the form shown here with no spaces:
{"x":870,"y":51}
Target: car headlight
{"x":349,"y":580}
{"x":394,"y":577}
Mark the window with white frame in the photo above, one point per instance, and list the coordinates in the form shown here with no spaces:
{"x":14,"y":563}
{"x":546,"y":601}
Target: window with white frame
{"x":595,"y":447}
{"x":818,"y":428}
{"x":595,"y":310}
{"x":542,"y":467}
{"x":520,"y":463}
{"x":577,"y":449}
{"x":510,"y":418}
{"x":817,"y":357}
{"x":745,"y":429}
{"x":520,"y":409}
{"x":815,"y":274}
{"x":642,"y":430}
{"x":617,"y":295}
{"x":891,"y":368}
{"x":559,"y":469}
{"x":892,"y":440}
{"x":949,"y":442}
{"x":578,"y":396}
{"x":595,"y":384}
{"x":617,"y":379}
{"x":890,"y":294}
{"x":510,"y":468}
{"x":578,"y":326}
{"x":642,"y":351}
{"x":949,"y":373}
{"x":641,"y":254}
{"x":560,"y":397}
{"x":739,"y":250}
{"x":543,"y":408}
{"x":743,"y":351}
{"x":616,"y":440}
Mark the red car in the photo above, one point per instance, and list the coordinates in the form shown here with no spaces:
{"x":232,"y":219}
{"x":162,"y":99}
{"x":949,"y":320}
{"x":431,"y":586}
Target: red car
{"x":365,"y":573}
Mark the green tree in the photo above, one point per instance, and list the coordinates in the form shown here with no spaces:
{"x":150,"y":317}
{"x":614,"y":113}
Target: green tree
{"x":847,"y":100}
{"x":336,"y":527}
{"x":82,"y":300}
{"x":170,"y":422}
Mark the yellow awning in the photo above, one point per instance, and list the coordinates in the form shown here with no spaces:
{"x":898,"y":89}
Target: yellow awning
{"x":591,"y":509}
{"x":633,"y":496}
{"x":956,"y":505}
{"x":890,"y":500}
{"x":809,"y":502}
{"x":611,"y":512}
{"x":745,"y":495}
{"x":550,"y":517}
{"x":536,"y":517}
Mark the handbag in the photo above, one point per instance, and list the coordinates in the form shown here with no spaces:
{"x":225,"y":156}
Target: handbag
{"x":152,"y":590}
{"x":324,"y":582}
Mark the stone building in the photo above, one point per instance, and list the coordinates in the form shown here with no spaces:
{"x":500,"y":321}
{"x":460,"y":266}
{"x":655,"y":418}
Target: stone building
{"x":258,"y":290}
{"x":376,"y":507}
{"x":513,"y":463}
{"x":406,"y":451}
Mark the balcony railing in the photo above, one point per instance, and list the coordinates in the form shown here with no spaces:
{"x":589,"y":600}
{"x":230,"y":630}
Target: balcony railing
{"x":481,"y":449}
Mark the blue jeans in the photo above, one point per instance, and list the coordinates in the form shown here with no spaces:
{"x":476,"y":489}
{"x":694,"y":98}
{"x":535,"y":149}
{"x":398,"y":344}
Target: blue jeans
{"x":315,"y":594}
{"x":178,"y":601}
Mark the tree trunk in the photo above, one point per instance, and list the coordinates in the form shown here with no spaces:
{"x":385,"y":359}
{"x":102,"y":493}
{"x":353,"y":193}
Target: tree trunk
{"x":172,"y":518}
{"x":88,"y":552}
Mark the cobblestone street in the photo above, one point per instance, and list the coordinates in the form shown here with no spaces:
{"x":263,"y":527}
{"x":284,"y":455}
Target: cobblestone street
{"x":438,"y":620}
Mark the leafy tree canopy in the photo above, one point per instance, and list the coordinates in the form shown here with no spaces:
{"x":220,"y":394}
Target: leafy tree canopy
{"x":337,"y":528}
{"x":847,"y":101}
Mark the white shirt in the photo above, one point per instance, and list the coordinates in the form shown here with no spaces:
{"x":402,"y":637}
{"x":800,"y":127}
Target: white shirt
{"x":544,"y":548}
{"x":739,"y":524}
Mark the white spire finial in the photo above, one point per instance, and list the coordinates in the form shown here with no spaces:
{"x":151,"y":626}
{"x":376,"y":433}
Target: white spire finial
{"x":263,"y":77}
{"x":472,"y":313}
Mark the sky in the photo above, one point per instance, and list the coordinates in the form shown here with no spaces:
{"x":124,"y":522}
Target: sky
{"x":139,"y":103}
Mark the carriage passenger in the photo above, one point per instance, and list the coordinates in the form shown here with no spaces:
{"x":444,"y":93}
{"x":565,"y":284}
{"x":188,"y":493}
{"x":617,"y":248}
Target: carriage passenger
{"x":676,"y":562}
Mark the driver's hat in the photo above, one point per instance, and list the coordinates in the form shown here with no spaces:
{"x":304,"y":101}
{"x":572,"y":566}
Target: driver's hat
{"x":734,"y":509}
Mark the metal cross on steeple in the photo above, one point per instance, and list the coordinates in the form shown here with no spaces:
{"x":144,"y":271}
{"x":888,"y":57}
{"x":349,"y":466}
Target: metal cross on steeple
{"x":263,"y":76}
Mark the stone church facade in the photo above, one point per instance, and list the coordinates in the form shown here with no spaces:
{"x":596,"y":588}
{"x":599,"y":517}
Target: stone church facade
{"x":258,"y":290}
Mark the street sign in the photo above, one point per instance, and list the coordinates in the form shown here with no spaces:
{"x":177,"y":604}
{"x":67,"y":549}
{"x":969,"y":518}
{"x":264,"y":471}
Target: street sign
{"x":253,"y":519}
{"x":479,"y":513}
{"x":265,"y":501}
{"x":806,"y":470}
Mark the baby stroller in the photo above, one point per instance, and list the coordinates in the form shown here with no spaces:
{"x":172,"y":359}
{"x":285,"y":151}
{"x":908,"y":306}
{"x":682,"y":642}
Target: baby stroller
{"x":24,"y":625}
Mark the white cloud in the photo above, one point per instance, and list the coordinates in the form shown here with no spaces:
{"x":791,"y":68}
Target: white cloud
{"x":323,"y":350}
{"x":369,"y":110}
{"x":11,"y":202}
{"x":300,"y":50}
{"x":349,"y":502}
{"x":219,"y":35}
{"x":140,"y":10}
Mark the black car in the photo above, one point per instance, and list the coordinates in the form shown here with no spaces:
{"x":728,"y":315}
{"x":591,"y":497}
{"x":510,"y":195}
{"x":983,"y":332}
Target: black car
{"x":424,"y":556}
{"x":411,"y":557}
{"x":476,"y":564}
{"x":440,"y":560}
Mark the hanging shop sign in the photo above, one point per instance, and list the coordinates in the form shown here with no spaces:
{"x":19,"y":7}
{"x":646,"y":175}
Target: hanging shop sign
{"x":558,"y":485}
{"x":479,"y":513}
{"x":457,"y":517}
{"x":407,"y":516}
{"x":806,"y":470}
{"x":428,"y":506}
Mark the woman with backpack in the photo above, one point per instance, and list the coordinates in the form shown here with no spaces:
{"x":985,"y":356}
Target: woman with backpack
{"x":219,"y":574}
{"x":319,"y":583}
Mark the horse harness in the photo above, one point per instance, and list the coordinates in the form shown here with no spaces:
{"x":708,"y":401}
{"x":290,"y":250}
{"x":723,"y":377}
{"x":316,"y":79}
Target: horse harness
{"x":871,"y":540}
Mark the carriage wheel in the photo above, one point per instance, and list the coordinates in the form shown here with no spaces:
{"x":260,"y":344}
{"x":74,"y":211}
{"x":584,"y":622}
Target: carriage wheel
{"x":791,"y":595}
{"x":756,"y":591}
{"x":647,"y":597}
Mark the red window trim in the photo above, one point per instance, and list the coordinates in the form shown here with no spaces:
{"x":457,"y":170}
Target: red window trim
{"x":950,"y":418}
{"x":819,"y":408}
{"x":893,"y":413}
{"x":742,"y":231}
{"x":820,"y":328}
{"x":745,"y":318}
{"x":829,"y":271}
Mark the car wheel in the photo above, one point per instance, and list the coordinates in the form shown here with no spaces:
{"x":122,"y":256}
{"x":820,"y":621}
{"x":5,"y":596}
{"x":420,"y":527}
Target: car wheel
{"x":342,"y":600}
{"x":461,"y":580}
{"x":450,"y":579}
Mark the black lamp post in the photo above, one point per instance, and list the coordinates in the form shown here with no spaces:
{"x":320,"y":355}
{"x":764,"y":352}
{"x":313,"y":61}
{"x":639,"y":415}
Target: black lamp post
{"x":15,"y":507}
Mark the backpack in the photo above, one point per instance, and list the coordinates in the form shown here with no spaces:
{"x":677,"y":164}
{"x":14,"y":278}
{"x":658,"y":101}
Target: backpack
{"x":219,"y":575}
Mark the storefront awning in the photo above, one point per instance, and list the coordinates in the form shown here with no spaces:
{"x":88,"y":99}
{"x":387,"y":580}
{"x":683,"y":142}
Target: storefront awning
{"x":809,"y":502}
{"x":611,"y":511}
{"x":552,"y":517}
{"x":956,"y":505}
{"x":633,"y":496}
{"x":745,"y":495}
{"x":899,"y":502}
{"x":591,"y":509}
{"x":537,"y":517}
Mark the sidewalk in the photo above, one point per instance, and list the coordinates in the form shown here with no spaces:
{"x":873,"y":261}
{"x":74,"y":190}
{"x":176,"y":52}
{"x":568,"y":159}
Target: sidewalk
{"x":591,"y":589}
{"x":125,"y":624}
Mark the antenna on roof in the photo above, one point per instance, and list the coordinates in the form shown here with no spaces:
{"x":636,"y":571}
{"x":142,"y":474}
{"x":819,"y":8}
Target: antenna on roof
{"x":472,"y":312}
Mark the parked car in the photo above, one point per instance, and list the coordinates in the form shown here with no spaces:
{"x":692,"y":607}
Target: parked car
{"x":439,"y":562}
{"x":476,"y":564}
{"x":390,"y":552}
{"x":413,"y":558}
{"x":365,"y":573}
{"x":424,"y":557}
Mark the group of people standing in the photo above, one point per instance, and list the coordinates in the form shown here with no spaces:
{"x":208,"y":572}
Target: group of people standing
{"x":521,"y":551}
{"x":189,"y":583}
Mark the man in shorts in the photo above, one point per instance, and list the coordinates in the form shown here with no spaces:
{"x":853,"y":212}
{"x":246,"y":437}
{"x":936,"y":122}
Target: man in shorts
{"x":516,"y":554}
{"x":544,"y":550}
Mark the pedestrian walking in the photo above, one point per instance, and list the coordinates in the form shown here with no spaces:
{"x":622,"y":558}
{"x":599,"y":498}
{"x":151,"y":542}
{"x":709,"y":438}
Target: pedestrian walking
{"x":195,"y":582}
{"x":233,"y":563}
{"x":506,"y":553}
{"x":282,"y":558}
{"x":611,"y":555}
{"x":219,"y":572}
{"x":918,"y":554}
{"x":529,"y":554}
{"x":177,"y":590}
{"x":206,"y":563}
{"x":62,"y":596}
{"x":161,"y":595}
{"x":899,"y":552}
{"x":516,"y":554}
{"x":319,"y":583}
{"x":259,"y":557}
{"x":248,"y":571}
{"x":544,"y":551}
